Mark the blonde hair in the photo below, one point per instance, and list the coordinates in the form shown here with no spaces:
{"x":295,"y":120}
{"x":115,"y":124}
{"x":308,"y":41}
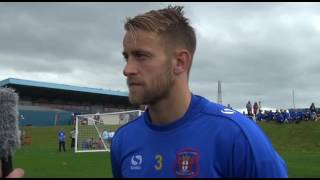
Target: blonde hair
{"x":169,"y":23}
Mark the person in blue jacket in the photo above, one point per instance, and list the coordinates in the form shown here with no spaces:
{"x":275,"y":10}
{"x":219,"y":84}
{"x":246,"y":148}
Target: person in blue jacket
{"x":181,"y":134}
{"x":62,"y":140}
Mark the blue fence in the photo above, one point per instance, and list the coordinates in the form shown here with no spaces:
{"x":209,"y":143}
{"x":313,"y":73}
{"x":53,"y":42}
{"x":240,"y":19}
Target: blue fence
{"x":44,"y":117}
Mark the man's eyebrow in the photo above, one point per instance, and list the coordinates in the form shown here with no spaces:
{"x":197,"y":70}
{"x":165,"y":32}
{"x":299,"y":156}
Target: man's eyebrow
{"x":141,"y":51}
{"x":136,"y":52}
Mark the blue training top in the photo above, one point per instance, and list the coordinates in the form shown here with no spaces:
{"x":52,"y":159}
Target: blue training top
{"x":208,"y":141}
{"x":61,"y":136}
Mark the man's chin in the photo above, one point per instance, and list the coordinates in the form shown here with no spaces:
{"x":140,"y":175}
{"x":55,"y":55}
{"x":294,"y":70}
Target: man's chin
{"x":136,"y":102}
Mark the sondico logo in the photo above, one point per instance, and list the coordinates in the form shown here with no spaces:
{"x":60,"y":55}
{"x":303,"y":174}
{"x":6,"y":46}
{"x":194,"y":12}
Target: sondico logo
{"x":136,"y":161}
{"x":227,"y":111}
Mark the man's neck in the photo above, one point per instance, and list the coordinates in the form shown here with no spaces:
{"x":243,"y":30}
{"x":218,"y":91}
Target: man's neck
{"x":171,"y":108}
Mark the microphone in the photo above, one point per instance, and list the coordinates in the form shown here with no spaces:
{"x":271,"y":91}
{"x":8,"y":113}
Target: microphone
{"x":9,"y":128}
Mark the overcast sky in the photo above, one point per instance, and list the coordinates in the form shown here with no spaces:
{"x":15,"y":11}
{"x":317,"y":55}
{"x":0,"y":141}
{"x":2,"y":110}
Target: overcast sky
{"x":259,"y":51}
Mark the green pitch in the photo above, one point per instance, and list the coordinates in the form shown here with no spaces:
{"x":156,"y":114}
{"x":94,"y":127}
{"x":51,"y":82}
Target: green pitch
{"x":298,"y":144}
{"x":42,"y":158}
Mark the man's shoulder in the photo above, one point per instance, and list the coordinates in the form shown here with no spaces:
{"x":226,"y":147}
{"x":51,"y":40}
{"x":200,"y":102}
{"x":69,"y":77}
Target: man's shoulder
{"x":235,"y":122}
{"x":130,"y":126}
{"x":219,"y":111}
{"x":223,"y":116}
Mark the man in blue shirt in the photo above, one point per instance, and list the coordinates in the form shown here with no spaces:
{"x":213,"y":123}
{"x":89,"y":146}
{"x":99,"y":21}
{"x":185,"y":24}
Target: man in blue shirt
{"x":106,"y":138}
{"x":62,"y":137}
{"x":278,"y":116}
{"x":260,"y":116}
{"x":181,"y":134}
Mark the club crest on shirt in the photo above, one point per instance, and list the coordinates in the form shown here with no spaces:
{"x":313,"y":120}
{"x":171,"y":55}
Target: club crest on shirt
{"x":187,"y":163}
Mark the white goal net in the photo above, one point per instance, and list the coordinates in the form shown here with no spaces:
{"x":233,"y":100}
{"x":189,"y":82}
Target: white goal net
{"x":95,"y":131}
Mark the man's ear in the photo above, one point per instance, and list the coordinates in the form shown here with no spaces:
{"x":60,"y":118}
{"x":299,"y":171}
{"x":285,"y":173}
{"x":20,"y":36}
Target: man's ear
{"x":183,"y":61}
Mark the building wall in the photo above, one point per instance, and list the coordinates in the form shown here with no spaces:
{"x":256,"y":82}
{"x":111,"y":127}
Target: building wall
{"x":44,"y":113}
{"x":75,"y":108}
{"x":44,"y":118}
{"x":47,"y":104}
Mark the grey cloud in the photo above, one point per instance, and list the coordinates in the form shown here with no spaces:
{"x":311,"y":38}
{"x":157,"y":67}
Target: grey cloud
{"x":260,"y":51}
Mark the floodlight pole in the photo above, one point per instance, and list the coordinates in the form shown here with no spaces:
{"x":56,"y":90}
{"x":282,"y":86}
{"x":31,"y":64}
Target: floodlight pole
{"x":294,"y":105}
{"x":219,"y":93}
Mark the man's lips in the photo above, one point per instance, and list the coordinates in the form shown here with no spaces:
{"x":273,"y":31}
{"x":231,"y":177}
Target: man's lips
{"x":134,"y":84}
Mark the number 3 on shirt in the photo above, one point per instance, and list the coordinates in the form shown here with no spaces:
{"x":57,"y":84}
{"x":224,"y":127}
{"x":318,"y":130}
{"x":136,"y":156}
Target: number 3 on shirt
{"x":159,"y":160}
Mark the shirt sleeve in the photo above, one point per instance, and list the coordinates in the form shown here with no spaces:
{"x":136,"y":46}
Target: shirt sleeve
{"x":255,"y":157}
{"x":247,"y":153}
{"x":115,"y":159}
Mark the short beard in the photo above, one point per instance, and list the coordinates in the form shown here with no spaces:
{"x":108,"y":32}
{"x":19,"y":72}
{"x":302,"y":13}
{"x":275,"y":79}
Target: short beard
{"x":160,"y":88}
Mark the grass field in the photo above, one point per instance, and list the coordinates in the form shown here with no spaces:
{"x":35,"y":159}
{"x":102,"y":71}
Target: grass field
{"x":298,"y":144}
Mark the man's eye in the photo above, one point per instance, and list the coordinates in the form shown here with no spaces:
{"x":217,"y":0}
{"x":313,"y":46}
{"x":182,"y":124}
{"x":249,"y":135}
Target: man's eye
{"x":125,"y":58}
{"x":140,"y":55}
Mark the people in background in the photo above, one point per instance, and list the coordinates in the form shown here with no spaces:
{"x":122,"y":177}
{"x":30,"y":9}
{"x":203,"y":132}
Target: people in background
{"x":249,"y":108}
{"x":73,"y":138}
{"x":255,"y":109}
{"x":62,"y":140}
{"x":313,"y":112}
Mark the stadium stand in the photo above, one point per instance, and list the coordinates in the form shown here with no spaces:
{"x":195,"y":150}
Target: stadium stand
{"x":48,"y":104}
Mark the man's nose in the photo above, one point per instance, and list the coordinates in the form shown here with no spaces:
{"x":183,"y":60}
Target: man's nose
{"x":130,"y":68}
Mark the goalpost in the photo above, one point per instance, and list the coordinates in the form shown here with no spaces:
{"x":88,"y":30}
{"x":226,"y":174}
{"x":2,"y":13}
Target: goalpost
{"x":95,"y":131}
